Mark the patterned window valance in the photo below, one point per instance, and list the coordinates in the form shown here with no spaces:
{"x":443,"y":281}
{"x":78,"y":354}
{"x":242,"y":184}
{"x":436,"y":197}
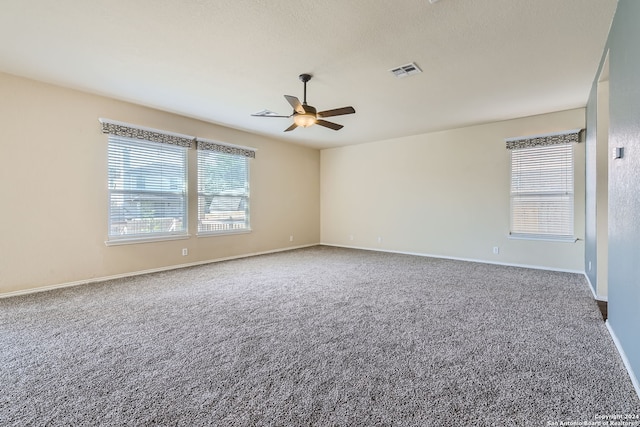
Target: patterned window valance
{"x":547,"y":139}
{"x":205,"y":144}
{"x":131,"y":131}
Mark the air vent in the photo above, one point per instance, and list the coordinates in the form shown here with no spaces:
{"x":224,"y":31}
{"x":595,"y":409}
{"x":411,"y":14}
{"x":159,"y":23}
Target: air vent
{"x":406,"y":70}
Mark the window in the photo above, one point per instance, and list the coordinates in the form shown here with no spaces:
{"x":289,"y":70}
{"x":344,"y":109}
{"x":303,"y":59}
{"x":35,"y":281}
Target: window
{"x":542,"y":187}
{"x":223,"y":188}
{"x":147,"y":183}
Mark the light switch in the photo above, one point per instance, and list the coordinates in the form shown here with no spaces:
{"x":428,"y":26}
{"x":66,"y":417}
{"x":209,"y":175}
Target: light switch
{"x":619,"y":153}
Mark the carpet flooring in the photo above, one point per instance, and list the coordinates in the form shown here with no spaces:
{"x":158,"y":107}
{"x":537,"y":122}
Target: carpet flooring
{"x":318,"y":336}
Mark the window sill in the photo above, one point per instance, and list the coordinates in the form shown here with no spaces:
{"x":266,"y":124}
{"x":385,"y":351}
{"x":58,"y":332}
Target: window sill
{"x":145,"y":239}
{"x":223,"y":233}
{"x":559,"y":239}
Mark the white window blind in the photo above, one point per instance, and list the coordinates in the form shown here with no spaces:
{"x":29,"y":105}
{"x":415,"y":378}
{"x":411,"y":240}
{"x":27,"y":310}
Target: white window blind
{"x":542,"y":191}
{"x":147,"y":188}
{"x":223,"y":188}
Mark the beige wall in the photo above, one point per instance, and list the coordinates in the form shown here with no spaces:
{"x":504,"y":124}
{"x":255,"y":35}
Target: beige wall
{"x":443,"y":194}
{"x":53,"y":190}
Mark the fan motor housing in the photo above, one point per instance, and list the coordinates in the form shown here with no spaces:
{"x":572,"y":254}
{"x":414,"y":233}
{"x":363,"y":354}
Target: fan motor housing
{"x":309,"y":110}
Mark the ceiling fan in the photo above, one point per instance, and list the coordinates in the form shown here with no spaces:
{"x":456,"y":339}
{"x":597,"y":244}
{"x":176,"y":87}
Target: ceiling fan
{"x":305,"y":115}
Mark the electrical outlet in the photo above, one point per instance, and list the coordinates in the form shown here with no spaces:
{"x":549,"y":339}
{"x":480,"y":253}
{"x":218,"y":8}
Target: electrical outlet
{"x":379,"y":239}
{"x":185,"y":251}
{"x":291,"y":238}
{"x":496,"y":250}
{"x":351,"y":237}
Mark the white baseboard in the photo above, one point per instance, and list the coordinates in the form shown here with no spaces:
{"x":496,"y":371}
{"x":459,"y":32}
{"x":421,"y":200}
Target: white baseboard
{"x":138,"y":273}
{"x":483,"y":261}
{"x":177,"y":266}
{"x":535,"y":267}
{"x":625,"y":360}
{"x":595,"y":295}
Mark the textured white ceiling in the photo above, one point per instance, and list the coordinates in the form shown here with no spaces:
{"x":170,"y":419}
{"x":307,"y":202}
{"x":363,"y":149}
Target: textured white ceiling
{"x":221,"y":60}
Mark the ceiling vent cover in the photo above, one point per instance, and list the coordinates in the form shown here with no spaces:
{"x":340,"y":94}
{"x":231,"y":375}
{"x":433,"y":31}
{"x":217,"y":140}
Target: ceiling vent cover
{"x":406,"y":70}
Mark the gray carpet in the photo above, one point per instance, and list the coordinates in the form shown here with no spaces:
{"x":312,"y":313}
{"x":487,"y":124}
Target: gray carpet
{"x":318,"y":336}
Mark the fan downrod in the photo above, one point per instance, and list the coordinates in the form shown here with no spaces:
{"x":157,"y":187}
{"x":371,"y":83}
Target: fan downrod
{"x":305,"y":78}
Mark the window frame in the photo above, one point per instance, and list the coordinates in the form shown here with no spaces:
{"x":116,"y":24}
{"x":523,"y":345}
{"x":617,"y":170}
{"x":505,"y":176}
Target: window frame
{"x":138,"y":134}
{"x":543,"y":187}
{"x":233,"y":225}
{"x":154,"y":142}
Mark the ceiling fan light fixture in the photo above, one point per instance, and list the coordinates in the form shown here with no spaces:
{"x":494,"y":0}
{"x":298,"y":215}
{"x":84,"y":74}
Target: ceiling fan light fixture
{"x":305,"y":120}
